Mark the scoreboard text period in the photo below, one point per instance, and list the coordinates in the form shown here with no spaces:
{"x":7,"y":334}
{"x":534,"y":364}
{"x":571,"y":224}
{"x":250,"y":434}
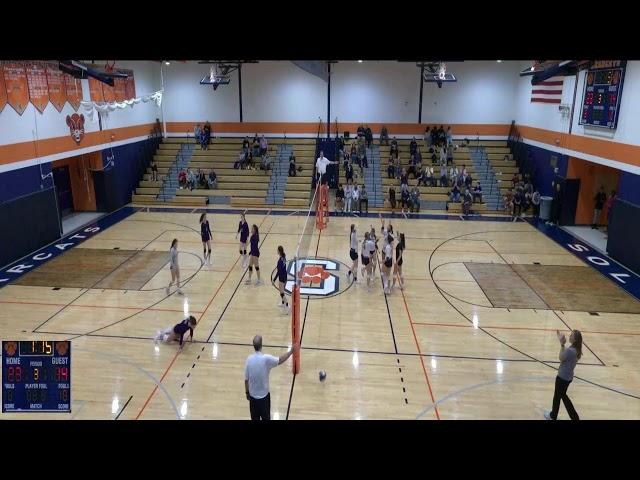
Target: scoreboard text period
{"x":36,"y":376}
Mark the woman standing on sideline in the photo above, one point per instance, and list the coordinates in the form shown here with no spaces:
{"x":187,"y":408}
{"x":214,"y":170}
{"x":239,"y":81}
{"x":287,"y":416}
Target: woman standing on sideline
{"x":174,"y":267}
{"x":569,"y":357}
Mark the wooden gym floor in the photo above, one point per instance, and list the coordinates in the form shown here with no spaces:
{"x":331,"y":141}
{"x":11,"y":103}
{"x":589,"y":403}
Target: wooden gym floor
{"x":471,"y":337}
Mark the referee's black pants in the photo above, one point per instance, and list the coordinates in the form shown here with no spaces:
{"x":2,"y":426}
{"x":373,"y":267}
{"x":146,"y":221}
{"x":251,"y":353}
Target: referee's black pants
{"x":260,"y":408}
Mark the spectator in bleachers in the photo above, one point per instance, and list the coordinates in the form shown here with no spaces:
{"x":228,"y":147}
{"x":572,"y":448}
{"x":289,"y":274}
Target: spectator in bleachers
{"x":364,"y":198}
{"x":424,"y":177}
{"x":450,"y":154}
{"x":427,"y":137}
{"x":449,"y":136}
{"x":368,"y":135}
{"x":360,"y":131}
{"x":264,"y":145}
{"x":206,"y":136}
{"x":391,"y":168}
{"x":412,"y":166}
{"x":415,"y":199}
{"x":535,"y":202}
{"x":453,"y":174}
{"x":443,"y":176}
{"x":477,"y":192}
{"x":354,"y":150}
{"x":467,"y":201}
{"x":404,"y":179}
{"x":191,"y":179}
{"x":361,"y":145}
{"x":255,"y":146}
{"x":364,"y":162}
{"x":355,"y":199}
{"x":239,"y":163}
{"x":340,"y":199}
{"x":434,"y":136}
{"x":517,"y":204}
{"x":393,"y":149}
{"x":154,"y":171}
{"x":507,"y":200}
{"x":212,"y":181}
{"x":443,"y":154}
{"x":526,"y":202}
{"x":197,"y":131}
{"x":392,"y":198}
{"x":468,"y":182}
{"x":384,"y":136}
{"x":348,"y":172}
{"x":413,"y":146}
{"x":454,"y":195}
{"x":245,"y":145}
{"x":292,"y":166}
{"x":442,"y":137}
{"x":515,"y":180}
{"x":202,"y":179}
{"x":265,"y":162}
{"x":348,"y":190}
{"x":404,"y":198}
{"x":182,"y":179}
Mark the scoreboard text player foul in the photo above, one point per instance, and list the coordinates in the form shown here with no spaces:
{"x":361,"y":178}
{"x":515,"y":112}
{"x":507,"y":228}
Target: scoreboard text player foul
{"x":36,"y":376}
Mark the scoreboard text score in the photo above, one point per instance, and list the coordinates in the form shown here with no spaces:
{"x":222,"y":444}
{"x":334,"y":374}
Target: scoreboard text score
{"x":602,"y":93}
{"x":36,"y":376}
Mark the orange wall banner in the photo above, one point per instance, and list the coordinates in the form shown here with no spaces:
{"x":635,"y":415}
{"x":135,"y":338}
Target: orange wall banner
{"x":55,"y":80}
{"x":130,"y":85}
{"x":17,"y":86}
{"x":108,"y":93}
{"x":73,"y":89}
{"x":3,"y":90}
{"x":38,"y":87}
{"x":120,"y":85}
{"x":95,"y":87}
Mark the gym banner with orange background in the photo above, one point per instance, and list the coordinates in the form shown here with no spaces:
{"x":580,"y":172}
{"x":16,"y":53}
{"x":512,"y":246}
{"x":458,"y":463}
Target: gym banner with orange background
{"x":73,"y":89}
{"x":38,"y":88}
{"x":17,"y":85}
{"x":55,"y":82}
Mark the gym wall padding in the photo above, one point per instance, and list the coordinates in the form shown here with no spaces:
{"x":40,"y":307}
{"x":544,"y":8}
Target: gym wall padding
{"x":28,"y":223}
{"x":623,"y":234}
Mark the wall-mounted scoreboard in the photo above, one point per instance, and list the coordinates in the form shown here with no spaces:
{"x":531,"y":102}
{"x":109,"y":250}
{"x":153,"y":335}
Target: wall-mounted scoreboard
{"x":602,"y":93}
{"x":36,"y":376}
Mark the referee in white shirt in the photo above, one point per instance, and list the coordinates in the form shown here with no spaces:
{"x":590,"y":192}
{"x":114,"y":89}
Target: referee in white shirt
{"x":321,"y":167}
{"x":256,"y":379}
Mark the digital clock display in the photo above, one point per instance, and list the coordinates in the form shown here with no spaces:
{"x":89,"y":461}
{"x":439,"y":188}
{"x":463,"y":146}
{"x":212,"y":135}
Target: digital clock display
{"x":602,"y":94}
{"x":36,"y":376}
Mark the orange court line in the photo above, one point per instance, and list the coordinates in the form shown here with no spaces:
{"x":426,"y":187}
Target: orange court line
{"x":521,"y":328}
{"x":424,"y":369}
{"x":156,"y":387}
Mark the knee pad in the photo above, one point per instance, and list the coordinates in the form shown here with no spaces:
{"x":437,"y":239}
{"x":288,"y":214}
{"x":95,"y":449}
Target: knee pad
{"x":282,"y":296}
{"x":240,"y":251}
{"x":250,"y":268}
{"x":209,"y":250}
{"x":257,"y":269}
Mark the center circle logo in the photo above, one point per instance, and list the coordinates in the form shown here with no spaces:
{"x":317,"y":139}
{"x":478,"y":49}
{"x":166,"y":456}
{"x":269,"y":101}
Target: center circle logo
{"x":319,"y":277}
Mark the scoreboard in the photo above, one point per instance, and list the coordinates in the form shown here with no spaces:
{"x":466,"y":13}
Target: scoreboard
{"x":36,"y":376}
{"x":602,"y":93}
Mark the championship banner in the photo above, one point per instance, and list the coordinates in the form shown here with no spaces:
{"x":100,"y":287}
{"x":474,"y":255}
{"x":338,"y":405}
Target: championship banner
{"x":120,"y":85}
{"x":3,"y":90}
{"x":55,"y":80}
{"x":95,"y":87}
{"x":108,"y":93}
{"x":16,"y":85}
{"x":73,"y":89}
{"x":38,"y":88}
{"x":130,"y":85}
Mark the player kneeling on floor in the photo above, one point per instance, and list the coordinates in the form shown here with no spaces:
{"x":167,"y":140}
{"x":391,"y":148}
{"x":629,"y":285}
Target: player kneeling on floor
{"x":176,"y":333}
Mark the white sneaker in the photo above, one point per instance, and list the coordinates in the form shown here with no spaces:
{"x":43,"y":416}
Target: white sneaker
{"x":247,"y":281}
{"x":387,"y":291}
{"x":180,"y":292}
{"x":288,"y":309}
{"x":258,"y":283}
{"x":547,"y":415}
{"x":280,"y":304}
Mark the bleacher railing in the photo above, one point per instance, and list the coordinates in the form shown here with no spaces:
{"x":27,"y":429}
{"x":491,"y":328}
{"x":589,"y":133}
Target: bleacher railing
{"x":172,"y":173}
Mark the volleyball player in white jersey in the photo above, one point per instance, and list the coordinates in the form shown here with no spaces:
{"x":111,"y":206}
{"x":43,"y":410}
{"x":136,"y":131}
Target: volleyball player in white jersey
{"x":372,"y":254}
{"x":367,"y":260}
{"x":387,"y":263}
{"x":174,"y":267}
{"x":353,"y":254}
